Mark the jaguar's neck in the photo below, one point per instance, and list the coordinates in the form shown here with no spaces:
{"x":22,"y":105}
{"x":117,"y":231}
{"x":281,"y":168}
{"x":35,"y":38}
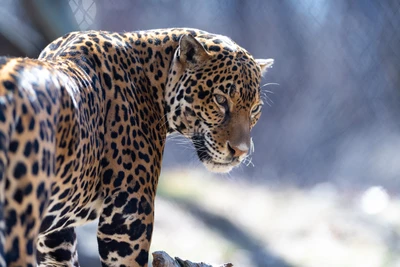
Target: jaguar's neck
{"x":153,"y":52}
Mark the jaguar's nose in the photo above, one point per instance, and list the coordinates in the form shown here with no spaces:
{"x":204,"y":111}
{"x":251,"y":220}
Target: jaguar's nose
{"x":238,"y":150}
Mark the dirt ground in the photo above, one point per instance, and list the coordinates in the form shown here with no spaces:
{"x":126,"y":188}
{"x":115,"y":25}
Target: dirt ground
{"x":221,"y":219}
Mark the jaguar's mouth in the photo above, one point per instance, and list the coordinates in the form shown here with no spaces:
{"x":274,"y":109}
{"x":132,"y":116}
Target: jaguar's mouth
{"x":207,"y":159}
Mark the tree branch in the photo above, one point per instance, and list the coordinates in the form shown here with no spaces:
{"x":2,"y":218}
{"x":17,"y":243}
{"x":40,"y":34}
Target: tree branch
{"x":162,"y":259}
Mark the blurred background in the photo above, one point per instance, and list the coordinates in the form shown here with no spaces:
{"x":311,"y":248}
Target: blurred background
{"x":323,"y":186}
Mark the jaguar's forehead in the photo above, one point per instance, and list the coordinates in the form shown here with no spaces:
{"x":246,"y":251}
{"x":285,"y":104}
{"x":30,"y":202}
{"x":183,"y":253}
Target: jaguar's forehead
{"x":226,"y":49}
{"x":212,"y":41}
{"x":231,"y":66}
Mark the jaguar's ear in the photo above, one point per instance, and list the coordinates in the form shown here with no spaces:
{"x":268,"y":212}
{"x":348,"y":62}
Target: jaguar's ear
{"x":191,"y":51}
{"x":264,"y":64}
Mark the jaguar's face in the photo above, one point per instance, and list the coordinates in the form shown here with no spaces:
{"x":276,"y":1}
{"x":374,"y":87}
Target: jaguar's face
{"x":214,"y":99}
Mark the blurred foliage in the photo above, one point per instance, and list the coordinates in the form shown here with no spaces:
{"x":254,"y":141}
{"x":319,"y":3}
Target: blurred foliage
{"x":26,"y":27}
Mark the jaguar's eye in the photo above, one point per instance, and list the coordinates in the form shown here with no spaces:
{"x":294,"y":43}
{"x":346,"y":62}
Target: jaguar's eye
{"x":220,"y":99}
{"x":256,"y":110}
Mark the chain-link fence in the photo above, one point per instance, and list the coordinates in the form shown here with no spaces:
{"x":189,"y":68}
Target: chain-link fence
{"x":337,"y":63}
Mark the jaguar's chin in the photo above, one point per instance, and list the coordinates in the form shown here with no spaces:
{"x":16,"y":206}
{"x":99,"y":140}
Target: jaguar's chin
{"x":205,"y":156}
{"x":218,"y":167}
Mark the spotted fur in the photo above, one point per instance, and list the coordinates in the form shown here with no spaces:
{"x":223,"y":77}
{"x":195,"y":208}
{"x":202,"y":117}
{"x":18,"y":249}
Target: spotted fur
{"x":83,"y":128}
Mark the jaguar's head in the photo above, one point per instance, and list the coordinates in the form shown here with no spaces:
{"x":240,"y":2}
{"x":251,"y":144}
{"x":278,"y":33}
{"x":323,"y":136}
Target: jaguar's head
{"x":213,"y":98}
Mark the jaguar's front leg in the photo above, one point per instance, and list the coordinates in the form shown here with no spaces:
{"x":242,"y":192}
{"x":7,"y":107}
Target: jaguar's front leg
{"x":130,"y":170}
{"x":126,"y":226}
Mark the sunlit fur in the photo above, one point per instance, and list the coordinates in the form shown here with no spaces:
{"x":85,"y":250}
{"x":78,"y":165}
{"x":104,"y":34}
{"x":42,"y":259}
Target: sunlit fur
{"x":83,"y":129}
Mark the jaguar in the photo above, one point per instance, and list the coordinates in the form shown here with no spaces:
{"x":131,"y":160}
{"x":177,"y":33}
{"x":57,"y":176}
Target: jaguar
{"x":83,"y":129}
